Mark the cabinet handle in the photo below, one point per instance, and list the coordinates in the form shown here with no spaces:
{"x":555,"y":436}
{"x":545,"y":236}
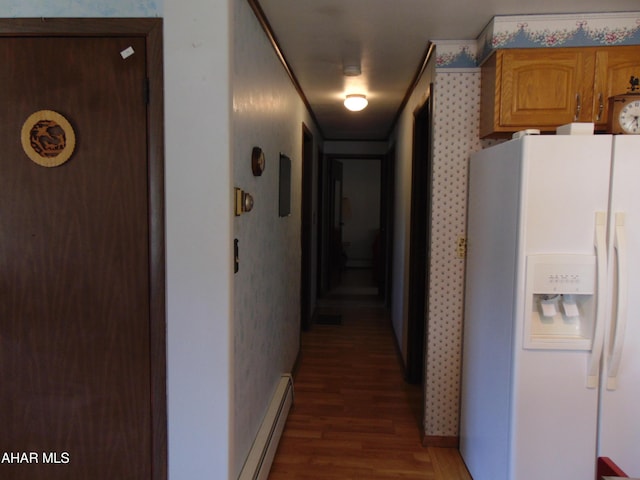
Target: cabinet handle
{"x":578,"y":108}
{"x":600,"y":108}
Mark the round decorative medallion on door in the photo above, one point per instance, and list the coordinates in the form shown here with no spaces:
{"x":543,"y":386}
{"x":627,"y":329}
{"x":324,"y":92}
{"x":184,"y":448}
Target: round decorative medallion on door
{"x":48,"y":138}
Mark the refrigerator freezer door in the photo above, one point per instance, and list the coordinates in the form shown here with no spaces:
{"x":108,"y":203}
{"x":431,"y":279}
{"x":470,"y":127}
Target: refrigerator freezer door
{"x":619,"y":421}
{"x":488,"y":324}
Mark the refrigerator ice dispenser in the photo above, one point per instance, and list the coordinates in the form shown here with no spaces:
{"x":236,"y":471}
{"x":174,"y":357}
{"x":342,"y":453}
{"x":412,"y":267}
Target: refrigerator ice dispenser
{"x":560,"y":301}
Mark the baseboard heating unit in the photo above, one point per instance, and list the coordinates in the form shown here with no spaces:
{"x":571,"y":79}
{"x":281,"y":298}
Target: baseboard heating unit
{"x":264,"y":447}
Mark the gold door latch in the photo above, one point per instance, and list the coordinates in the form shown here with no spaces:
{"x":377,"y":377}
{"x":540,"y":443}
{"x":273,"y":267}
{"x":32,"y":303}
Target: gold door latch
{"x":461,"y":247}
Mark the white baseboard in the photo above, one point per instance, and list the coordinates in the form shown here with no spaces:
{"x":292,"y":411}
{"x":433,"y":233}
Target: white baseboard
{"x":264,"y":447}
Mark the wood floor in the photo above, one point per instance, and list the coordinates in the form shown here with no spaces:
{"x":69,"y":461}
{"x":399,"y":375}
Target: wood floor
{"x":354,"y":417}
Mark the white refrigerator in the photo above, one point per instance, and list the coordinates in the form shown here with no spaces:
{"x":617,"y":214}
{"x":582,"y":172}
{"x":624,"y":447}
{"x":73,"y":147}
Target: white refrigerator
{"x":551,"y":349}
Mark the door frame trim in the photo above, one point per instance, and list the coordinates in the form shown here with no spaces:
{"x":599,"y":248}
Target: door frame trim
{"x":151,"y":30}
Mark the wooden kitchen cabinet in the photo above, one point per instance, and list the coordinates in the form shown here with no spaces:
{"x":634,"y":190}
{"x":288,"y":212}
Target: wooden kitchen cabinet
{"x":614,"y":68}
{"x":545,"y":88}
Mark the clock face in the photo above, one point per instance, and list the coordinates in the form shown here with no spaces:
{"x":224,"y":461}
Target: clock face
{"x":629,"y":117}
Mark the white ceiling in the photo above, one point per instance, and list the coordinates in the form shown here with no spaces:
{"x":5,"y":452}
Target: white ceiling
{"x":388,"y":38}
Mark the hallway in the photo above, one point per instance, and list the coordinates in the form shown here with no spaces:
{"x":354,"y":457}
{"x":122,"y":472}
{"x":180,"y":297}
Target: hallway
{"x":354,"y":417}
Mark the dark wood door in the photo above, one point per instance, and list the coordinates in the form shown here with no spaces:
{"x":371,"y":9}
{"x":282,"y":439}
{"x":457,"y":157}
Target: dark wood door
{"x":336,"y":250}
{"x":75,"y":362}
{"x":419,"y":244}
{"x":306,"y":268}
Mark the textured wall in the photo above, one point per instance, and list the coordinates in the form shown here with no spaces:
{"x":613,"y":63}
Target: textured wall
{"x":267,"y":112}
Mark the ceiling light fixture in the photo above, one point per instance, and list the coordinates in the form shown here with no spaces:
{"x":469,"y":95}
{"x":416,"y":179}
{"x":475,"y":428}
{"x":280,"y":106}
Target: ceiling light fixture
{"x":356,"y":102}
{"x":351,"y":70}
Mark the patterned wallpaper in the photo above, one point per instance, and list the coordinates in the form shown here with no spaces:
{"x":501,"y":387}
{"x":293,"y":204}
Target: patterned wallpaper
{"x":456,"y":120}
{"x":81,"y":8}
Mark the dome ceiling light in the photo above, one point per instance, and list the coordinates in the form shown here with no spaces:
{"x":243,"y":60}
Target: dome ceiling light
{"x":355,"y":102}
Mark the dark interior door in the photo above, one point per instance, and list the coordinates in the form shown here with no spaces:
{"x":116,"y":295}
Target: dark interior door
{"x":387,"y":206}
{"x":306,"y":270}
{"x":419,"y":239}
{"x":336,"y":250}
{"x":75,"y":357}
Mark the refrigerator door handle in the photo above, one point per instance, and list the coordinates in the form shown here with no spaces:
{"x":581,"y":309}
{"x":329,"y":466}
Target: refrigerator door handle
{"x":620,"y":249}
{"x":600,"y":244}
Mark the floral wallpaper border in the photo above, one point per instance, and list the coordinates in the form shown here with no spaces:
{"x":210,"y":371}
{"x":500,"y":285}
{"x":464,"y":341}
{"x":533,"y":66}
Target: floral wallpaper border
{"x":456,"y":54}
{"x":541,"y":31}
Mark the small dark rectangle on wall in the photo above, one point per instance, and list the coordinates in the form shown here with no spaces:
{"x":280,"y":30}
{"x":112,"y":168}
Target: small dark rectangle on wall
{"x":236,"y":256}
{"x":284,"y":208}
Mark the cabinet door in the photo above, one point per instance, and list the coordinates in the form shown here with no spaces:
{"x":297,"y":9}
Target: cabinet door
{"x":546,"y":88}
{"x":614,"y":68}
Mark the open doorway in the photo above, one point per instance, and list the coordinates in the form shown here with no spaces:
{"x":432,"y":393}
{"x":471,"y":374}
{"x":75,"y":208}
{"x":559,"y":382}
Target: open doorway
{"x":353,"y":239}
